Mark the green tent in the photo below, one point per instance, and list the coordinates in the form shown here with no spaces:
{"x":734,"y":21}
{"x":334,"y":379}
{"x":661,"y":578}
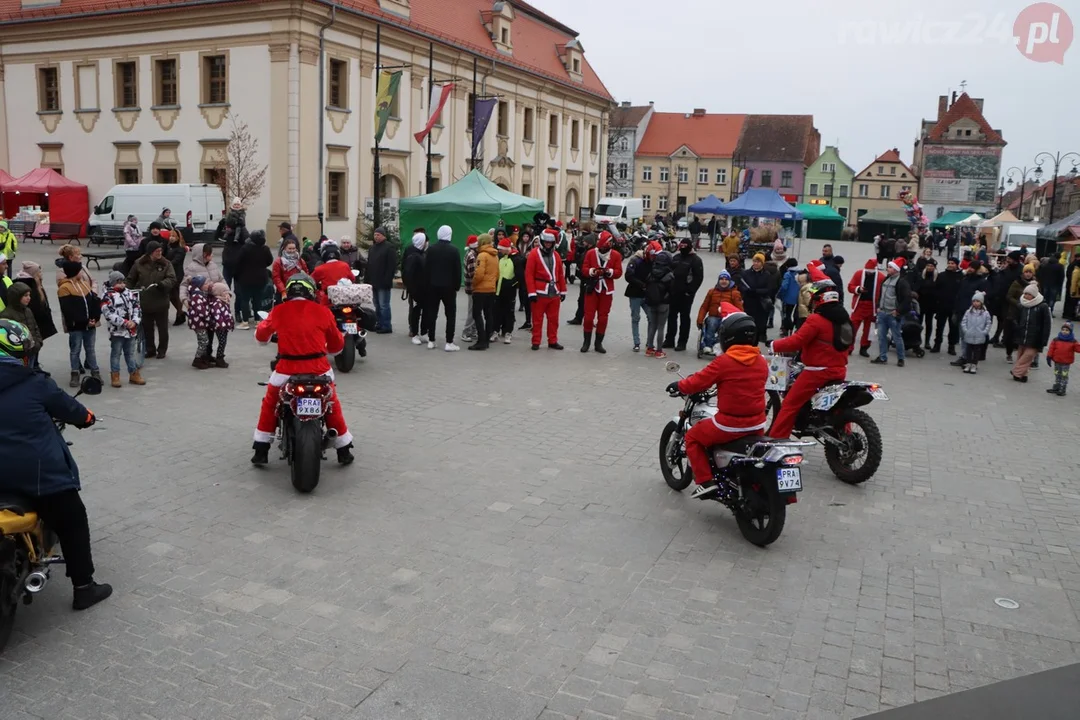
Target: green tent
{"x":951,"y":218}
{"x":887,"y":222}
{"x":823,"y":222}
{"x":471,"y":206}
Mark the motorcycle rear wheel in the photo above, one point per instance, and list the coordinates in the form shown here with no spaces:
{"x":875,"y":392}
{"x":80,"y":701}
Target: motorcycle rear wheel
{"x":306,"y":457}
{"x":870,"y":440}
{"x":679,"y":476}
{"x":347,"y":357}
{"x":762,"y":520}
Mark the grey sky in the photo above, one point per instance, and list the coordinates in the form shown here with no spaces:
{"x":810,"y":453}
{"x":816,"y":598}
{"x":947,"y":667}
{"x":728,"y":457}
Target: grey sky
{"x":863,"y":68}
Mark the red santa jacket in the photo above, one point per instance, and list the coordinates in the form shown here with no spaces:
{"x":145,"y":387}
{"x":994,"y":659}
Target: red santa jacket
{"x":870,"y":280}
{"x":541,"y":278}
{"x":607,"y":271}
{"x":815,"y":340}
{"x":331,"y":273}
{"x":739,"y":376}
{"x":304,"y":329}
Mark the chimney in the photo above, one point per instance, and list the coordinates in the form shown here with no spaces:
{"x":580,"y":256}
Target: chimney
{"x":979,"y":103}
{"x":699,"y":112}
{"x":626,"y":103}
{"x":650,"y":103}
{"x":953,"y":97}
{"x":942,"y":106}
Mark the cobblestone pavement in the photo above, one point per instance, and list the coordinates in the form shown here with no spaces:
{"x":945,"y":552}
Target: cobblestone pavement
{"x":505,"y":547}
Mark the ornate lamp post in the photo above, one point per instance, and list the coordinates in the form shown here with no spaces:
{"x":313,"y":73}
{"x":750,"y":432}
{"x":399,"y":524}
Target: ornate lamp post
{"x":1056,"y":159}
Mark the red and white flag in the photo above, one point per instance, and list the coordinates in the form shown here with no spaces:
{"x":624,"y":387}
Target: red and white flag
{"x":439,"y":95}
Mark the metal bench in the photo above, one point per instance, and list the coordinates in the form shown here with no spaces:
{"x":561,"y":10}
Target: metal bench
{"x":97,"y":257}
{"x":60,"y":231}
{"x":106,"y":235}
{"x":22,"y":228}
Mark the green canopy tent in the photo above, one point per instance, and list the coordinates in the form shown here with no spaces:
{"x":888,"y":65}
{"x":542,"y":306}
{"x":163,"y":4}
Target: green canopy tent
{"x":822,"y":221}
{"x":954,"y":218}
{"x":471,"y":206}
{"x":883,"y":221}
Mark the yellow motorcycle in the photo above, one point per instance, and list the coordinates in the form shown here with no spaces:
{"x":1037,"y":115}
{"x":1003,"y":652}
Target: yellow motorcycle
{"x":27,"y":547}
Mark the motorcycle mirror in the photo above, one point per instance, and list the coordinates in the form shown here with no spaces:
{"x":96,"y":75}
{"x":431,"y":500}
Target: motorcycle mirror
{"x":355,"y":273}
{"x":90,"y":386}
{"x":672,"y":367}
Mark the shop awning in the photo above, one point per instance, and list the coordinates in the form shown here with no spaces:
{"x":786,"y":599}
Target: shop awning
{"x":949,"y":219}
{"x":886,"y":217}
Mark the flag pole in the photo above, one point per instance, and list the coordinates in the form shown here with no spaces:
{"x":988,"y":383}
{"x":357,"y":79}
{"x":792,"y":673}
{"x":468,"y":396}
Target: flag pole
{"x":376,"y":212}
{"x":431,"y":95}
{"x":472,"y":156}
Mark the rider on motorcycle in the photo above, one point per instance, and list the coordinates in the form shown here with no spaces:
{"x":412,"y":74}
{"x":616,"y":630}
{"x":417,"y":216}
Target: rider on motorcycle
{"x":739,"y":375}
{"x":331,"y":271}
{"x":38,"y":467}
{"x":307,"y":332}
{"x":824,"y":340}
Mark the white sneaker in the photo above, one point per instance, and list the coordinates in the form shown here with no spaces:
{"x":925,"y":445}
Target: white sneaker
{"x":242,"y":326}
{"x":507,"y":338}
{"x":416,"y":340}
{"x":717,"y":350}
{"x":451,"y":347}
{"x":494,"y":337}
{"x":707,"y":350}
{"x":431,"y":345}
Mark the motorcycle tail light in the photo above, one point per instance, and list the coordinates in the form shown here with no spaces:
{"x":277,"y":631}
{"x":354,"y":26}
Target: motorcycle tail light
{"x":318,"y":389}
{"x":792,"y":499}
{"x":792,"y":459}
{"x":347,"y":310}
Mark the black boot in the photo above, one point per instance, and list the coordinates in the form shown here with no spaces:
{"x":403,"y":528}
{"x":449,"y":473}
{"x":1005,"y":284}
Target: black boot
{"x":600,"y":344}
{"x":576,"y":321}
{"x":952,"y":349}
{"x":588,"y":342}
{"x":90,"y":595}
{"x":864,"y":352}
{"x":936,"y":348}
{"x":958,"y":362}
{"x":344,"y":456}
{"x":262,"y":454}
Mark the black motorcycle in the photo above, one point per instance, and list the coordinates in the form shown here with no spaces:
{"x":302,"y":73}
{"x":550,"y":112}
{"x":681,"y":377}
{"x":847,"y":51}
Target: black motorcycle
{"x":352,"y":321}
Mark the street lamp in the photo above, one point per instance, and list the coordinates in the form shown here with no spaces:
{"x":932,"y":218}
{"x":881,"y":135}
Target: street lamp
{"x":1001,"y":194}
{"x":1036,"y":171}
{"x":1056,"y":159}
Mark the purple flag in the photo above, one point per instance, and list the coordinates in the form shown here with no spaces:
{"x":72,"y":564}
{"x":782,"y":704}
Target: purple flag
{"x":482,"y":110}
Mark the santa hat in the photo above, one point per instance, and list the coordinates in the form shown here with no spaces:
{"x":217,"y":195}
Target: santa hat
{"x":653,"y":248}
{"x":727,"y":308}
{"x":900,"y":262}
{"x":505,"y":244}
{"x":550,"y":235}
{"x":472,"y":241}
{"x":871,"y":264}
{"x":815,"y":273}
{"x":894,"y":266}
{"x":604,"y":241}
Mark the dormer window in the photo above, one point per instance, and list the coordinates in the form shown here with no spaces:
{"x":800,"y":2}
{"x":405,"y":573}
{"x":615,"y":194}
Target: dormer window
{"x":499,"y":23}
{"x":398,"y":7}
{"x":572,"y":58}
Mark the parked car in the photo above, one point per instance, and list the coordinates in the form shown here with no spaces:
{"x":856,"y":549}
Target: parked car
{"x":197,"y":207}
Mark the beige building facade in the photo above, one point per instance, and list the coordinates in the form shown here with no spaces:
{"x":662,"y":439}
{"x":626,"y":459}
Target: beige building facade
{"x":879,"y":184}
{"x":674,"y":182}
{"x":150,"y":96}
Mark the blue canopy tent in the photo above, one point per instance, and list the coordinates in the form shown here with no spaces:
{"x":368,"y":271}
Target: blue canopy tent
{"x":711,"y":205}
{"x":761,"y":202}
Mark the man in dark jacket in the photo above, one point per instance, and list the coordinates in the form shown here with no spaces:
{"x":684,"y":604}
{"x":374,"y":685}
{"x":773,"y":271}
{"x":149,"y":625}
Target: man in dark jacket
{"x":382,"y":261}
{"x":153,"y":276}
{"x":926,"y":288}
{"x":1051,"y":276}
{"x":637,"y":275}
{"x":946,"y":286}
{"x":689,"y":273}
{"x":39,"y":472}
{"x":287,"y":234}
{"x":442,"y":271}
{"x":582,"y":245}
{"x":976,"y":279}
{"x":998,"y":289}
{"x":695,"y":232}
{"x":756,"y":287}
{"x":832,"y":271}
{"x":252,"y":277}
{"x":414,"y":280}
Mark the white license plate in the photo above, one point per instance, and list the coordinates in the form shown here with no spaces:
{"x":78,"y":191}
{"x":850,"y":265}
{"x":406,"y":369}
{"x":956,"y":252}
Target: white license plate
{"x":349,"y":328}
{"x":788,"y":479}
{"x":879,"y":394}
{"x":308,"y":407}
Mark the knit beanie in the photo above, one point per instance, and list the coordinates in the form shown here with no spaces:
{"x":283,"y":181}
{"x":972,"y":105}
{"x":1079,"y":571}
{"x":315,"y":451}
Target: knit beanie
{"x":197,"y":282}
{"x":759,"y":256}
{"x":115,"y":277}
{"x":980,"y":296}
{"x":418,"y":240}
{"x":152,"y":246}
{"x":445,"y":233}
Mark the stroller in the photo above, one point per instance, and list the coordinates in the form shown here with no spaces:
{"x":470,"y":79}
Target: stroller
{"x":911,"y":329}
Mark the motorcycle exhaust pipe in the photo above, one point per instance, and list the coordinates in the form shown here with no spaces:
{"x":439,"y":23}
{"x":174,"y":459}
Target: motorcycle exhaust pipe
{"x":328,"y":440}
{"x":35,"y":581}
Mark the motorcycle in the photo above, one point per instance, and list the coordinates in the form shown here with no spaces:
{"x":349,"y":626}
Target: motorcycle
{"x":27,"y":547}
{"x":353,"y":321}
{"x":758,"y":476}
{"x":850,"y":437}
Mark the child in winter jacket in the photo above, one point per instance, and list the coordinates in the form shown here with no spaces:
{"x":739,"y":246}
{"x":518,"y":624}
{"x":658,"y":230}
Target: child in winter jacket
{"x":222,"y":318}
{"x":789,"y":299}
{"x":975,"y":331}
{"x":122,"y":315}
{"x":803,"y":310}
{"x":709,"y":316}
{"x":1060,"y":356}
{"x":18,"y":309}
{"x":200,"y":320}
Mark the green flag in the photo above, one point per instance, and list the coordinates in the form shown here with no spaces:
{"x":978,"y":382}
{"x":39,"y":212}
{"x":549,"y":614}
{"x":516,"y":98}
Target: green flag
{"x":388,"y":87}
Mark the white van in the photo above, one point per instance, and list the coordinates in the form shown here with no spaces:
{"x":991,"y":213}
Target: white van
{"x":619,"y":210}
{"x":199,"y":207}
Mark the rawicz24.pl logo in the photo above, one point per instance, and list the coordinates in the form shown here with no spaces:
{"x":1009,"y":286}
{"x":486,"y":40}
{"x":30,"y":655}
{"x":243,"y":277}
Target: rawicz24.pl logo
{"x":1043,"y":32}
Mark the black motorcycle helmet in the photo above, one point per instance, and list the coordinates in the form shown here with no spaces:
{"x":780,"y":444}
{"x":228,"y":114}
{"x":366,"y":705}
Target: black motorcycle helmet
{"x":738,"y":329}
{"x":330,"y":251}
{"x":300,"y":285}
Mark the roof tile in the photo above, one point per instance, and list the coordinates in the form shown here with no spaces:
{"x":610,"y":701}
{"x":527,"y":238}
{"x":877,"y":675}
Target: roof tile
{"x":709,"y":135}
{"x":779,"y":138}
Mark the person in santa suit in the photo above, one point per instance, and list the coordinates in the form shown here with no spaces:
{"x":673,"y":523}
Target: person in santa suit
{"x":307,"y":333}
{"x":331,"y":271}
{"x":824,"y":341}
{"x":865,"y":289}
{"x":739,"y":374}
{"x":546,"y":282}
{"x":600,"y":269}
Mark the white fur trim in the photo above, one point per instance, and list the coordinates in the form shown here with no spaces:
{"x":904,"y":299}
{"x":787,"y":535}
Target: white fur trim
{"x":265,"y":437}
{"x":342,"y":440}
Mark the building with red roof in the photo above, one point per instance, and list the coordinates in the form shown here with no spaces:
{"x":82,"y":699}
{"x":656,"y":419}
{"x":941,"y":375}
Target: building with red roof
{"x":115,"y":91}
{"x":878,"y":186}
{"x":775,"y":150}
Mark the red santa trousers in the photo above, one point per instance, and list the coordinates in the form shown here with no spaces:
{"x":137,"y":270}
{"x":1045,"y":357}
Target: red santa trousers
{"x":863,"y":317}
{"x":545,"y":306}
{"x":701,"y":438}
{"x":808,"y":383}
{"x":267,"y":427}
{"x":596,"y":304}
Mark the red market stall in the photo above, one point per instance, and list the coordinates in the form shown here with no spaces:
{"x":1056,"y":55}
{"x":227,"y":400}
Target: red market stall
{"x":65,"y":200}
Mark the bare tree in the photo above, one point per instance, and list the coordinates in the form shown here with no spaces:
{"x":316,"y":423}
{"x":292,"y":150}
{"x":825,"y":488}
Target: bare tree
{"x":238,"y":165}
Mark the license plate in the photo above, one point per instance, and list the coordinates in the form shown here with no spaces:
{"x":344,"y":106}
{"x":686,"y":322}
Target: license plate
{"x":788,"y":479}
{"x":879,"y":394}
{"x":349,"y":328}
{"x":308,"y":407}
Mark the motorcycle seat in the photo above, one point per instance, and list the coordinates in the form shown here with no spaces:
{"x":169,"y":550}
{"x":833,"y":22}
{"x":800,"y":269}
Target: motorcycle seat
{"x":16,"y":515}
{"x":742,"y":445}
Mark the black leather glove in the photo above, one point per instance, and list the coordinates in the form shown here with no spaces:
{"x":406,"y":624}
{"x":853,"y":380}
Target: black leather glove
{"x":90,"y":420}
{"x":673,"y":388}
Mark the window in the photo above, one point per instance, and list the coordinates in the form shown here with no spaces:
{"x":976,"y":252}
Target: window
{"x":49,"y":89}
{"x":214,"y":176}
{"x":128,"y":176}
{"x":661,"y":203}
{"x":684,"y":174}
{"x":906,"y":188}
{"x":813,"y":188}
{"x":646,"y":202}
{"x":827,"y":190}
{"x":526,"y":189}
{"x":127,"y":84}
{"x":166,"y":83}
{"x":624,"y":170}
{"x":832,"y":167}
{"x":167,"y":176}
{"x":766,"y":178}
{"x":665,"y":174}
{"x":338,"y":89}
{"x":785,"y":178}
{"x":827,"y":167}
{"x":594,"y":138}
{"x":215,"y":80}
{"x":551,"y":200}
{"x":843,"y":190}
{"x":623,"y":194}
{"x":703,"y":176}
{"x":892,"y":169}
{"x":553,"y":130}
{"x":864,"y":190}
{"x":611,"y":171}
{"x":646,"y":173}
{"x":880,"y":169}
{"x":577,"y":66}
{"x":527,"y":121}
{"x":967,"y":133}
{"x":721,"y":176}
{"x":505,"y":36}
{"x":886,"y":191}
{"x":624,"y":145}
{"x":575,"y":141}
{"x":335,"y":194}
{"x":504,"y":118}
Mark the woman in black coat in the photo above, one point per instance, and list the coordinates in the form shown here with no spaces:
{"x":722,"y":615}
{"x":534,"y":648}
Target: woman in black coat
{"x":252,"y":276}
{"x":175,"y":253}
{"x":39,"y":301}
{"x":755,"y":285}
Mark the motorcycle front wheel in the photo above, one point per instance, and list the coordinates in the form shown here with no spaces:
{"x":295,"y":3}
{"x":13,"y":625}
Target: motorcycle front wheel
{"x":859,"y":456}
{"x":306,"y":459}
{"x":347,"y":357}
{"x":773,"y":401}
{"x":673,"y":464}
{"x":761,"y":518}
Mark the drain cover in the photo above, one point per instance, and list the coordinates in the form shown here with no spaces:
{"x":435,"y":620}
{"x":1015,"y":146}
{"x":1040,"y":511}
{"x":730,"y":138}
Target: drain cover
{"x":1007,"y":603}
